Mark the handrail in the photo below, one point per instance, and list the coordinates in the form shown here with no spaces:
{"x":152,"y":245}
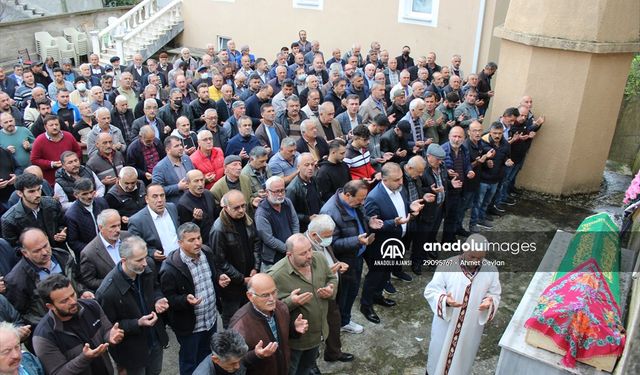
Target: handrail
{"x":133,"y":11}
{"x":167,"y":8}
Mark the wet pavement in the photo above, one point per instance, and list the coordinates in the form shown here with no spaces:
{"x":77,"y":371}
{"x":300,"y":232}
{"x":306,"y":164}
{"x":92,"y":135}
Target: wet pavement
{"x":399,"y":344}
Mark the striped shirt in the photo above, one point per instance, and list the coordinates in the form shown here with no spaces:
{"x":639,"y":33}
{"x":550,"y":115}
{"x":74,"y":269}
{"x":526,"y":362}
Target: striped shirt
{"x":359,"y":162}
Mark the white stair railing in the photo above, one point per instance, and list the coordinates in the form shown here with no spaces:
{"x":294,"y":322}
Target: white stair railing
{"x":136,"y":16}
{"x":162,"y":19}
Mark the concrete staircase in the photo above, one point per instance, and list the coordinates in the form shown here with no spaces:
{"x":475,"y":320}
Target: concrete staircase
{"x":145,"y":29}
{"x":28,"y":9}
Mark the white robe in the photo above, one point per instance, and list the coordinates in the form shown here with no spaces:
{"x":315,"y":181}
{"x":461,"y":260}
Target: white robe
{"x":447,"y":345}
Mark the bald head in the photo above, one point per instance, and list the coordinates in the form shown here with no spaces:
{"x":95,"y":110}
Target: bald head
{"x":33,"y":169}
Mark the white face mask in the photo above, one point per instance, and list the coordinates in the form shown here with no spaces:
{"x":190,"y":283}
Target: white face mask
{"x":325,"y":242}
{"x":204,"y":75}
{"x":81,"y":87}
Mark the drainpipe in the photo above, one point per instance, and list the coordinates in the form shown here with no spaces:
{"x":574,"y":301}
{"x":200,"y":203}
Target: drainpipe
{"x":476,"y":46}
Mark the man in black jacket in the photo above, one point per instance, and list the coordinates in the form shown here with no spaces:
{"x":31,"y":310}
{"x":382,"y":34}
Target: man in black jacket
{"x":491,"y":174}
{"x":333,"y":173}
{"x":38,"y":261}
{"x":144,"y":153}
{"x":189,"y":280}
{"x":127,"y":195}
{"x":81,"y":215}
{"x":236,"y":245}
{"x":303,"y":191}
{"x":122,"y":118}
{"x":395,"y":140}
{"x":130,"y":295}
{"x":74,"y":335}
{"x":197,"y":204}
{"x":33,"y":210}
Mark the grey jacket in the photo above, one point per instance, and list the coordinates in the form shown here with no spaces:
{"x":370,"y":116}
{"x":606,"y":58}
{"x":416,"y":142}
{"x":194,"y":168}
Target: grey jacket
{"x":273,"y":240}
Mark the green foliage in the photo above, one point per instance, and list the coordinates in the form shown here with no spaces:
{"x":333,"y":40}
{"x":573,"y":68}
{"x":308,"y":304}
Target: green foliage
{"x":633,"y":80}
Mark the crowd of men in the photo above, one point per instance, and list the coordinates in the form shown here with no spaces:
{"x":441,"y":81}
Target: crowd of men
{"x":166,"y":193}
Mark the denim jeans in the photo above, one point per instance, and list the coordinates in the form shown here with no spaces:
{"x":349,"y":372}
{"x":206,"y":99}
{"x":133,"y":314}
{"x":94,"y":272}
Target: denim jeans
{"x":508,"y":182}
{"x":193,"y":349}
{"x":482,"y":201}
{"x":349,"y":287}
{"x":302,"y":361}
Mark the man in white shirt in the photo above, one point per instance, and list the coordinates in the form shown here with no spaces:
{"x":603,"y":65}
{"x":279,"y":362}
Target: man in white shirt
{"x":99,"y":257}
{"x":157,"y":223}
{"x":389,"y":203}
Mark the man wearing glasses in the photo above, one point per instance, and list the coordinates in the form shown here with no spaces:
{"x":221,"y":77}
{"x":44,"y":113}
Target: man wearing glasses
{"x":276,"y":220}
{"x":235,"y":242}
{"x":264,"y":323}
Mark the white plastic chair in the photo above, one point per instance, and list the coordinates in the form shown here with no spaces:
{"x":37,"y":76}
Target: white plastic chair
{"x":46,"y":45}
{"x":67,"y":50}
{"x":78,"y":39}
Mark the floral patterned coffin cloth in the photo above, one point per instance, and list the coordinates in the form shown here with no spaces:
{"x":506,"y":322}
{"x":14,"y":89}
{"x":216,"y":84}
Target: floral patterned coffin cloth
{"x":578,"y":317}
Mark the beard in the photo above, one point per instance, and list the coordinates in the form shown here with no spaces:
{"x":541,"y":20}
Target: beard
{"x":276,"y":200}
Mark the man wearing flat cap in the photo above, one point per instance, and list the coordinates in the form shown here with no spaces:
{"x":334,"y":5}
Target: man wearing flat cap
{"x":436,"y":181}
{"x":233,"y":179}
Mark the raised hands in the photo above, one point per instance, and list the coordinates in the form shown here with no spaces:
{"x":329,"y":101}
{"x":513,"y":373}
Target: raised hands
{"x":300,"y":299}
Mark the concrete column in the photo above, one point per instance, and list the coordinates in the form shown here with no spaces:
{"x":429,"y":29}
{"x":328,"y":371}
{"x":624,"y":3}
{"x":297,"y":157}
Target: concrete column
{"x":573,"y":58}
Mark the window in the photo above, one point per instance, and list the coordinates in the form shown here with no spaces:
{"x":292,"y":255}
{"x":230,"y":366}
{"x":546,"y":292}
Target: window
{"x":419,"y":12}
{"x":222,"y":42}
{"x":308,"y":4}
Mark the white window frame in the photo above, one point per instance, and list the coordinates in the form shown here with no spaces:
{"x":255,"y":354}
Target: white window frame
{"x":407,"y":15}
{"x":308,"y":4}
{"x":222,"y":42}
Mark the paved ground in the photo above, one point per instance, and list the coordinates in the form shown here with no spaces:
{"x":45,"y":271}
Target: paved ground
{"x":399,"y":344}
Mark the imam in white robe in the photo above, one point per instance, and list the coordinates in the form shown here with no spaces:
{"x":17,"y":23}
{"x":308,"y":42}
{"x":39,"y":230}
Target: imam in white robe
{"x":456,"y":332}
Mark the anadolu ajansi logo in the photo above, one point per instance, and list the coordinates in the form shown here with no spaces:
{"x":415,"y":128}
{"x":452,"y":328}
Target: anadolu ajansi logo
{"x":392,"y":248}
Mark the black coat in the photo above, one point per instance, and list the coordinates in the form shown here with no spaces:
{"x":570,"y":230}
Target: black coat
{"x":177,"y":283}
{"x":430,"y":210}
{"x":22,"y":281}
{"x":331,"y":177}
{"x":188,"y":202}
{"x":119,"y":301}
{"x":16,"y":219}
{"x":390,"y":142}
{"x":127,"y":204}
{"x":115,"y":121}
{"x":231,"y":258}
{"x":321,"y":145}
{"x":80,"y":225}
{"x":135,"y":157}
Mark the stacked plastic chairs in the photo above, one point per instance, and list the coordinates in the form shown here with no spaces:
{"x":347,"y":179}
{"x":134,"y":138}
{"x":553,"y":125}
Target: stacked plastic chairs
{"x":46,"y":46}
{"x":78,"y":39}
{"x":67,"y":50}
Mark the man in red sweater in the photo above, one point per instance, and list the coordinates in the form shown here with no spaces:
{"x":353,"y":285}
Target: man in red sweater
{"x":358,"y":158}
{"x":208,"y":159}
{"x":49,"y":145}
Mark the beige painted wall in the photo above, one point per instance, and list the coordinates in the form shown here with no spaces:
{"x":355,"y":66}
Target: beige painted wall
{"x":275,"y":23}
{"x":591,"y":20}
{"x":569,"y":153}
